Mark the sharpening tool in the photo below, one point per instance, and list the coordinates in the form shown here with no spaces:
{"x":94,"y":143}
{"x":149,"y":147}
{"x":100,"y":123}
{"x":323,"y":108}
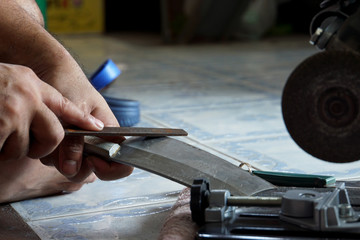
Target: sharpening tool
{"x":128,"y":131}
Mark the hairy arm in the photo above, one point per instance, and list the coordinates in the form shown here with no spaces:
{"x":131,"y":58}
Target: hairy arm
{"x":24,"y":41}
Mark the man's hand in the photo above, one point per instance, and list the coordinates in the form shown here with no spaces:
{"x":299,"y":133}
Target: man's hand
{"x":31,"y":111}
{"x":68,"y":158}
{"x":25,"y":42}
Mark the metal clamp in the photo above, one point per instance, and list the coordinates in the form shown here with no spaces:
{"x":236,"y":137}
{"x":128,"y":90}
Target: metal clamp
{"x":312,"y":210}
{"x":320,"y":211}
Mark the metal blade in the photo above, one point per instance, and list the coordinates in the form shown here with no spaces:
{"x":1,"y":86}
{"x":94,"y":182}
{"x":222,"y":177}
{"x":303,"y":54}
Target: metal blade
{"x":128,"y":131}
{"x":180,"y":162}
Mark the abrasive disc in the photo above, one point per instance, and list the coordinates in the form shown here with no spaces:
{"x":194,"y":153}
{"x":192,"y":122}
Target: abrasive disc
{"x":320,"y":106}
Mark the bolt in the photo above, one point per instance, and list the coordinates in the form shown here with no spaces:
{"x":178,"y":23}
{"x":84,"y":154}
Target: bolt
{"x":345,"y":211}
{"x":253,"y":201}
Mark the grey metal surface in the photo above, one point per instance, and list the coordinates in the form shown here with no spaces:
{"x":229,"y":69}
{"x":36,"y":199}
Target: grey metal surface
{"x":179,"y":162}
{"x":311,"y":208}
{"x":320,"y":211}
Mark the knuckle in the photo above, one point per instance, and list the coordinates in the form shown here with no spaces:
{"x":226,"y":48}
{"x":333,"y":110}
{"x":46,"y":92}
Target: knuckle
{"x":19,"y":92}
{"x":65,"y":104}
{"x":30,"y":93}
{"x":18,"y":86}
{"x":26,"y":70}
{"x":13,"y":108}
{"x":68,"y":106}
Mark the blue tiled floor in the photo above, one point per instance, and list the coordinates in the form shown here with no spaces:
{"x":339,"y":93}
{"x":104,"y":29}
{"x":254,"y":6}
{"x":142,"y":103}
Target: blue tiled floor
{"x":227,"y":96}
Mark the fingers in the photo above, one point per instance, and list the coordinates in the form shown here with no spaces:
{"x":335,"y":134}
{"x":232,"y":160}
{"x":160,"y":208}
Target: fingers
{"x":47,"y":133}
{"x":78,"y":169}
{"x":83,"y":173}
{"x":69,"y":159}
{"x":15,"y":147}
{"x":108,"y":170}
{"x":71,"y":164}
{"x":70,"y":156}
{"x":67,"y":111}
{"x":32,"y":113}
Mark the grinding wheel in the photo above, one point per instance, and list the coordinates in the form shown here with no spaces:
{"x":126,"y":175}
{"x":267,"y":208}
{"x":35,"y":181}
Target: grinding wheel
{"x":320,"y":106}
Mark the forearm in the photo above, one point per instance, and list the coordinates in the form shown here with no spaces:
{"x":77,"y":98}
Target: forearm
{"x":31,"y":7}
{"x":25,"y":42}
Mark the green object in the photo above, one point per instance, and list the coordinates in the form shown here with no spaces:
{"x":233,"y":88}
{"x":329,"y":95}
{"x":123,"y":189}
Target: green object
{"x":295,"y":179}
{"x":42,"y":6}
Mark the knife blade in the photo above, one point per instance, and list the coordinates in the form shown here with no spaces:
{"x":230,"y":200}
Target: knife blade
{"x":128,"y":131}
{"x":179,"y":162}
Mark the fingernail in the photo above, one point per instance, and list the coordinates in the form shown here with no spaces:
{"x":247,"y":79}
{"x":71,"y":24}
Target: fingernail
{"x":99,"y":124}
{"x":69,"y":167}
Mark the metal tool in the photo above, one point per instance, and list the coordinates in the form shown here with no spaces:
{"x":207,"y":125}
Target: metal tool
{"x":128,"y":131}
{"x":320,"y":211}
{"x":321,"y":99}
{"x":321,"y":106}
{"x":337,"y":26}
{"x":179,"y":162}
{"x":298,"y":214}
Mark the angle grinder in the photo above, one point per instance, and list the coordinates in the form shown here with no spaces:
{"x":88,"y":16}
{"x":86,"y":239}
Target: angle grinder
{"x":321,"y":99}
